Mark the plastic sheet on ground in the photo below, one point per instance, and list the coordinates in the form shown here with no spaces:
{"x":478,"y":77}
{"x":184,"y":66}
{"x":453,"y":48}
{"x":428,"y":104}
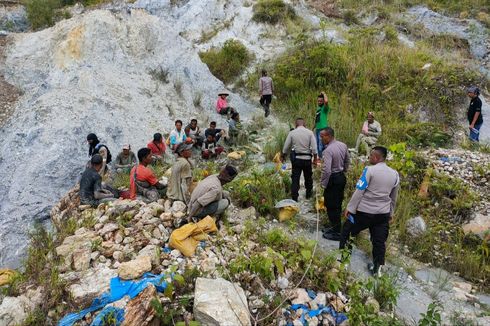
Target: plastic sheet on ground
{"x":116,"y":315}
{"x":187,"y":238}
{"x":339,"y":317}
{"x":118,"y":289}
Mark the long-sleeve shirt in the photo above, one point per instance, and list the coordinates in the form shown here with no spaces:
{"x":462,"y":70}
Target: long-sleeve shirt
{"x":301,"y":141}
{"x":335,"y":159}
{"x":206,"y":192}
{"x":373,"y":129}
{"x":177,"y":137}
{"x":376,"y":191}
{"x":266,"y":87}
{"x":221,"y":104}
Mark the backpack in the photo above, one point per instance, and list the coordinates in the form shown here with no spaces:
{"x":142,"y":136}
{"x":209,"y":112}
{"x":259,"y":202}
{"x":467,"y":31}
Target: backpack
{"x":96,"y":151}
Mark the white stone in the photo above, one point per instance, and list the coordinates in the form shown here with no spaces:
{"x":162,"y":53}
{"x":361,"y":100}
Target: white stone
{"x":416,"y":226}
{"x":178,"y":206}
{"x":92,"y":283}
{"x":110,"y":227}
{"x":134,"y":268}
{"x":219,"y":302}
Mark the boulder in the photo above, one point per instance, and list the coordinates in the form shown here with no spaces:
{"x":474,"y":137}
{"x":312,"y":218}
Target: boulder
{"x":81,"y":259}
{"x":151,"y":251}
{"x":110,"y":227}
{"x":299,"y":296}
{"x":178,"y":206}
{"x":134,"y":268}
{"x":480,"y":225}
{"x":139,"y":310}
{"x":91,"y":284}
{"x":79,"y":245}
{"x":14,"y":310}
{"x":416,"y":226}
{"x":218,"y":302}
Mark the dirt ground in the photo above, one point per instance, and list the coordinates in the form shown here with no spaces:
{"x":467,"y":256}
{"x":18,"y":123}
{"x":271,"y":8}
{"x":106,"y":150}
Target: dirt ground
{"x":8,"y":93}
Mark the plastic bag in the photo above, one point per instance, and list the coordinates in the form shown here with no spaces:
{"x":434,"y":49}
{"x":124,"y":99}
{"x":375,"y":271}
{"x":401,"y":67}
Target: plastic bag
{"x":186,"y":238}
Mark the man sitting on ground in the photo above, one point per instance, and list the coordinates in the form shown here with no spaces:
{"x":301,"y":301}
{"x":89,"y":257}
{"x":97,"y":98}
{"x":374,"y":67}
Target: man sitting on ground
{"x":91,"y":192}
{"x":157,"y":147}
{"x":177,"y":135}
{"x":371,"y":130}
{"x":215,"y":132}
{"x":142,"y":180}
{"x":181,"y":175}
{"x":125,"y":160}
{"x":195,"y":133}
{"x":209,"y":198}
{"x":210,"y":148}
{"x":236,"y":132}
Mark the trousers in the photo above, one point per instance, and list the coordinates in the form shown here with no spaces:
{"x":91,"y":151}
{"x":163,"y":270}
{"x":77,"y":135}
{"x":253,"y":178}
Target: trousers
{"x":378,"y":225}
{"x":333,"y":196}
{"x":298,"y":167}
{"x":265,"y":101}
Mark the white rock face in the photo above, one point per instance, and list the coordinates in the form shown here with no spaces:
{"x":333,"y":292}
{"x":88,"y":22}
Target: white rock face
{"x":416,"y":226}
{"x":91,"y":284}
{"x":218,"y":303}
{"x":88,"y":74}
{"x":14,"y":310}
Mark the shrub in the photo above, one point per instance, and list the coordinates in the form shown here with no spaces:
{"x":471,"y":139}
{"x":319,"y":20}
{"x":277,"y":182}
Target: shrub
{"x":276,"y":143}
{"x":228,"y":62}
{"x":42,"y":13}
{"x":261,"y":189}
{"x":272,"y":11}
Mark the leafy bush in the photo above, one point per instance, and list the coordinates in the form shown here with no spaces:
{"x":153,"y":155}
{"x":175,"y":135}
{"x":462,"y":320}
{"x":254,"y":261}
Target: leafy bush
{"x":42,"y":13}
{"x":261,"y":189}
{"x":276,"y":143}
{"x":228,"y":62}
{"x":272,"y":11}
{"x":433,"y":315}
{"x":428,"y":135}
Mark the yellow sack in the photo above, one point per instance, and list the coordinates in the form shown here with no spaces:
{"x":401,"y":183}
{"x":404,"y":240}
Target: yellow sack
{"x":186,"y":238}
{"x":6,"y":276}
{"x":236,"y":155}
{"x":320,"y":204}
{"x":277,"y":158}
{"x":287,"y":213}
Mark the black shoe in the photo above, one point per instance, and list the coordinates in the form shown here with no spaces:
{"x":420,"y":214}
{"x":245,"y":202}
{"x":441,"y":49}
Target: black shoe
{"x":334,"y":236}
{"x":374,"y":269}
{"x":308,"y":194}
{"x":267,"y":112}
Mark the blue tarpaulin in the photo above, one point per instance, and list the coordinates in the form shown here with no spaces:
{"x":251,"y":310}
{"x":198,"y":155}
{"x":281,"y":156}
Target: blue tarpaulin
{"x":118,"y":289}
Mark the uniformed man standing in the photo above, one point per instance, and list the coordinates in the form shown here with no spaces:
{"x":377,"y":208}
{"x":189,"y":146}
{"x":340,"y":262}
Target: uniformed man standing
{"x":372,"y":206}
{"x":301,"y":144}
{"x":335,"y":159}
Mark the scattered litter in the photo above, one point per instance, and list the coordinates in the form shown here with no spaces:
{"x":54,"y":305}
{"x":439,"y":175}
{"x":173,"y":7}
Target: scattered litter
{"x":118,"y":289}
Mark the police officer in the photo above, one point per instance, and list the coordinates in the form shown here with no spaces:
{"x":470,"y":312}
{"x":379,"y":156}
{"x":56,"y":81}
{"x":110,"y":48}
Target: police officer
{"x":335,"y":163}
{"x":474,"y":114}
{"x":372,"y":206}
{"x":301,"y":144}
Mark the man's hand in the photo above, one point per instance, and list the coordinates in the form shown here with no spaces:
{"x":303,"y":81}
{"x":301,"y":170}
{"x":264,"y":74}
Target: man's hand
{"x":391,"y":219}
{"x":346,"y":213}
{"x":472,"y":126}
{"x":325,"y":97}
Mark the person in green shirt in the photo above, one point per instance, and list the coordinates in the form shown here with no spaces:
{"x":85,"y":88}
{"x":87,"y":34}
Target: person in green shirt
{"x":321,"y":119}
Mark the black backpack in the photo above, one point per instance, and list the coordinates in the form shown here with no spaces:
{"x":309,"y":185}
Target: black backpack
{"x":96,"y":151}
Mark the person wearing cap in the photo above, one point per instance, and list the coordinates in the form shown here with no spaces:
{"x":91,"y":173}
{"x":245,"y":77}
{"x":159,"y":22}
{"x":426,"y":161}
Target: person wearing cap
{"x":474,"y":114}
{"x":372,"y":206}
{"x":370,"y":132}
{"x":181,"y":174}
{"x":125,"y":160}
{"x":266,"y":88}
{"x":301,"y":145}
{"x":91,"y":190}
{"x":142,"y":181}
{"x":209,"y":198}
{"x":222,"y":106}
{"x":157,"y":147}
{"x":177,"y":135}
{"x":195,"y":133}
{"x":335,"y":160}
{"x":321,"y":119}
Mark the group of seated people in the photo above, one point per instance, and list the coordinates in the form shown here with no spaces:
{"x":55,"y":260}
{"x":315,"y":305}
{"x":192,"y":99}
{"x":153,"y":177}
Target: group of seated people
{"x":207,"y":198}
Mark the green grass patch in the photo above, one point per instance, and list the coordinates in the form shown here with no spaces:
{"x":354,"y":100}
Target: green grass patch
{"x":229,"y":62}
{"x":272,"y":11}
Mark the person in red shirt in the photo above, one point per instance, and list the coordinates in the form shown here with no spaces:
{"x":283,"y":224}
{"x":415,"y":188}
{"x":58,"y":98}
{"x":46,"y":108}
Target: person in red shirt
{"x":142,"y":181}
{"x":222,"y":106}
{"x":157,"y":147}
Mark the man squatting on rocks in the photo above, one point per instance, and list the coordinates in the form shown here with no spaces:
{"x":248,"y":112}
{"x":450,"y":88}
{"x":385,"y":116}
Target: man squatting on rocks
{"x":372,"y":206}
{"x":333,"y":180}
{"x":209,"y":198}
{"x":91,"y":191}
{"x":301,"y":145}
{"x":370,"y":132}
{"x":142,"y":180}
{"x":125,"y":160}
